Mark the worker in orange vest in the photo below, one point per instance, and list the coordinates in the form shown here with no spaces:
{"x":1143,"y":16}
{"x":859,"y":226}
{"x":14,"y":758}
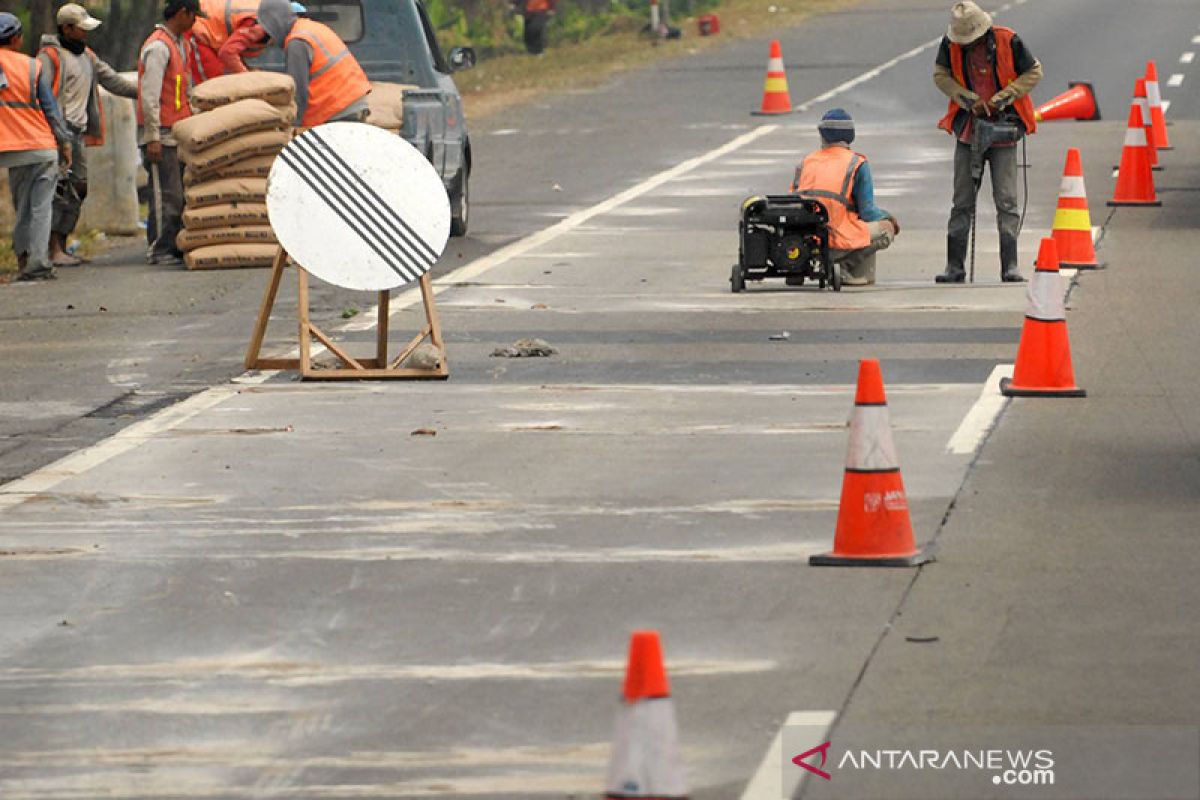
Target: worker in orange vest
{"x":76,"y":74}
{"x":840,"y":179}
{"x":164,"y":91}
{"x":987,"y":72}
{"x":33,"y":139}
{"x":536,"y":15}
{"x":330,"y":84}
{"x":222,"y":20}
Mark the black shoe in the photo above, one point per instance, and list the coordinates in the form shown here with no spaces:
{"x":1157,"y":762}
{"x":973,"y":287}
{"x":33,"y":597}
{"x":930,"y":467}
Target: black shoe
{"x":951,"y":276}
{"x":40,"y":275}
{"x":1012,"y":276}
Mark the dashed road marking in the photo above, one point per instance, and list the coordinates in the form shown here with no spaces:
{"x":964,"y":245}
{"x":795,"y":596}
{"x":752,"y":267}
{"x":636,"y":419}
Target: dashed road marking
{"x":982,"y":416}
{"x":1175,"y":80}
{"x":1187,"y":57}
{"x":769,"y":782}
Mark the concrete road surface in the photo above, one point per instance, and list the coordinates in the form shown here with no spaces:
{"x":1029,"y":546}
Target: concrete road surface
{"x":275,"y":589}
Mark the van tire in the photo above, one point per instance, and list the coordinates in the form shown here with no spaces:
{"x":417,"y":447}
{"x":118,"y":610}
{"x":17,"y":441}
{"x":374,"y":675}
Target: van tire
{"x":460,"y":203}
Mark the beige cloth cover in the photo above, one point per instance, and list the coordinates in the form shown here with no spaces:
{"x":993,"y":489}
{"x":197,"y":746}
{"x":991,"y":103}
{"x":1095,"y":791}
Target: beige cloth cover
{"x":273,"y":87}
{"x":208,"y":128}
{"x":228,"y":256}
{"x":226,"y":190}
{"x":225,"y":215}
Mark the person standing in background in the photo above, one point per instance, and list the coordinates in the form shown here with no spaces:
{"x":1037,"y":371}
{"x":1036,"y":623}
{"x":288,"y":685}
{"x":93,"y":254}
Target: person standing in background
{"x":536,"y":15}
{"x":76,"y":74}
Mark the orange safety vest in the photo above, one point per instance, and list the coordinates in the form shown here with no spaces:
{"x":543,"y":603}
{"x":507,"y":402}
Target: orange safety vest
{"x":827,"y":175}
{"x":224,"y":17}
{"x":174,"y":103}
{"x":24,"y":125}
{"x":55,"y":82}
{"x":1006,"y":72}
{"x":335,"y":80}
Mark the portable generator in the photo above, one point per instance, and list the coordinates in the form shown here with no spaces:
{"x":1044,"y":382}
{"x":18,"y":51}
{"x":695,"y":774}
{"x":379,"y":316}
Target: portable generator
{"x":784,"y":236}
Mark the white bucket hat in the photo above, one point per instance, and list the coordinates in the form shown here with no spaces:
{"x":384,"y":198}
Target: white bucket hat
{"x":967,"y":22}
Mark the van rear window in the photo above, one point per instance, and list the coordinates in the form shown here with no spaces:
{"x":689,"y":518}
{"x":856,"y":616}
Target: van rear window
{"x":344,"y":16}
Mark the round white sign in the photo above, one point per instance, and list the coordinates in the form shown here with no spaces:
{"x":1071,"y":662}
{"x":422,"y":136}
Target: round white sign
{"x":358,"y":207}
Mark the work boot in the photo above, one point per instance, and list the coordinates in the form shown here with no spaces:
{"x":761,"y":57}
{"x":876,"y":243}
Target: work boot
{"x":1009,"y":272}
{"x":956,"y":253}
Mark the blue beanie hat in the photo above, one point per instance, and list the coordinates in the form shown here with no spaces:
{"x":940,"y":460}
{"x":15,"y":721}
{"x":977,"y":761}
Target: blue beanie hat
{"x":836,"y":126}
{"x":10,"y":26}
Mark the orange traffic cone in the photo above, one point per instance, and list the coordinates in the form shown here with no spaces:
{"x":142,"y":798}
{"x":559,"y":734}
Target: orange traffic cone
{"x":1078,"y":102}
{"x":1043,"y":366}
{"x":873,"y":527}
{"x":1157,"y":120}
{"x":1072,"y":229}
{"x":1139,"y":97}
{"x":1135,"y":180}
{"x":776,"y":99}
{"x":645,"y":756}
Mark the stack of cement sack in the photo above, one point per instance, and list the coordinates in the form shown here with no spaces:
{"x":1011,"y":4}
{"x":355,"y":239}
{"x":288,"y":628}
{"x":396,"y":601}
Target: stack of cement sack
{"x":243,"y":122}
{"x":386,"y":101}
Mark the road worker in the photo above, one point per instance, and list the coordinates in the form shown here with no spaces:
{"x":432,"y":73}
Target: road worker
{"x":164,"y":89}
{"x":330,"y":84}
{"x":76,"y":74}
{"x":33,"y":139}
{"x":841,"y":180}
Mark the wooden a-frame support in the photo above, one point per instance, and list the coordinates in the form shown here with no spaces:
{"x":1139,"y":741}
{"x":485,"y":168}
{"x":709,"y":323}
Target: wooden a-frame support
{"x":377,"y":367}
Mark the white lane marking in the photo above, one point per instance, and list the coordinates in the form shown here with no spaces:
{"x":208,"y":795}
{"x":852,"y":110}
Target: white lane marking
{"x":768,"y":782}
{"x":1196,"y":40}
{"x":869,"y":74}
{"x":505,"y":132}
{"x":46,"y":478}
{"x":1166,"y":106}
{"x":1187,"y":57}
{"x":1175,"y":80}
{"x":982,"y":416}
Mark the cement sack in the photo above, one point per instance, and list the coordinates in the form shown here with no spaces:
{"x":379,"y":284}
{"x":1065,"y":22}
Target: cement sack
{"x":272,"y":87}
{"x":226,"y":190}
{"x":225,"y":216}
{"x":254,"y":167}
{"x":211,"y":159}
{"x":386,"y":101}
{"x":231,"y":256}
{"x":242,"y":234}
{"x":201,"y":131}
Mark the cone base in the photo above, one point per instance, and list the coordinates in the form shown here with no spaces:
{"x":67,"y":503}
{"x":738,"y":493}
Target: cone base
{"x":771,"y":113}
{"x":644,"y":797}
{"x":923,"y":556}
{"x":1135,"y":202}
{"x":1008,"y":390}
{"x":1090,"y":265}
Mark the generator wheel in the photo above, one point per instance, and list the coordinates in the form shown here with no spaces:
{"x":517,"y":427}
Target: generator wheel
{"x":737,"y":280}
{"x":836,"y":278}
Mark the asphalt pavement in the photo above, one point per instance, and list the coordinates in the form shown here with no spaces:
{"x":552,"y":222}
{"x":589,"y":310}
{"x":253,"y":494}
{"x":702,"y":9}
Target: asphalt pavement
{"x":275,"y":589}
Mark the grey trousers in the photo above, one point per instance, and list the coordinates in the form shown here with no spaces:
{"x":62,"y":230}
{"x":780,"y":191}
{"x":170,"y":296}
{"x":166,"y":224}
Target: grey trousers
{"x":166,"y":202}
{"x":1002,"y":165}
{"x":72,"y":190}
{"x":32,"y":188}
{"x":860,"y":264}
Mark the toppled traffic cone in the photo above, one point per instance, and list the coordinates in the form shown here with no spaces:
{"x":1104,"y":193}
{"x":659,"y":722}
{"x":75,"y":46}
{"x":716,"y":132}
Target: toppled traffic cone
{"x":873,"y":527}
{"x":776,"y":99}
{"x":1078,"y":103}
{"x":1135,"y":180}
{"x":645,"y":756}
{"x":1158,"y":121}
{"x":1072,"y":229}
{"x":1043,"y":367}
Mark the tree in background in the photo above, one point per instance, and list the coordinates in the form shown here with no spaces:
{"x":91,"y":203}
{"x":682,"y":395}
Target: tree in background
{"x":127,"y":23}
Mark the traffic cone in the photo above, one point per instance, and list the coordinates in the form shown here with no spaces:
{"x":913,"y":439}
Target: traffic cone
{"x":873,"y":527}
{"x":1135,"y":181}
{"x":1078,"y":103}
{"x":1158,"y":120}
{"x":645,"y":756}
{"x":1139,"y":97}
{"x":1072,"y":229}
{"x":1043,"y":366}
{"x":776,"y":99}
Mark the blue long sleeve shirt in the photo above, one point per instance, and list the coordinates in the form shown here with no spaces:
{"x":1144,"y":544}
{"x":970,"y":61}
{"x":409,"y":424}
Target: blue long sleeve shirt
{"x":864,"y":195}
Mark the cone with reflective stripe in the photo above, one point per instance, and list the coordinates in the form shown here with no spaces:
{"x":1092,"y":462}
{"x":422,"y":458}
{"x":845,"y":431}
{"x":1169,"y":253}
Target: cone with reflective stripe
{"x":645,"y":756}
{"x":1072,"y":230}
{"x":1139,"y":97}
{"x":1158,"y":121}
{"x":1043,"y":366}
{"x":1135,"y":181}
{"x":776,"y":99}
{"x":873,"y":527}
{"x":1078,"y":103}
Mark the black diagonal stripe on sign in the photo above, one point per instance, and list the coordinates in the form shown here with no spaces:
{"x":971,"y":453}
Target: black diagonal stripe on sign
{"x":363,"y":212}
{"x":337,"y":207}
{"x":366,"y":187}
{"x":384,"y":222}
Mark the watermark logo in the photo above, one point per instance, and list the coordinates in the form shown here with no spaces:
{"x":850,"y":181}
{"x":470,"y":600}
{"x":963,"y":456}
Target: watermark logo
{"x":823,"y":749}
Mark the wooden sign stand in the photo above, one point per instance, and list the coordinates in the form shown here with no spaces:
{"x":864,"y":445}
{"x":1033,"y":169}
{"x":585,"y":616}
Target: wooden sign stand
{"x":378,"y":367}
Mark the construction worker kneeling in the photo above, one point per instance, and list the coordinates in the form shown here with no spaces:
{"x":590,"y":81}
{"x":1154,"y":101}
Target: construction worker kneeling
{"x":840,"y":179}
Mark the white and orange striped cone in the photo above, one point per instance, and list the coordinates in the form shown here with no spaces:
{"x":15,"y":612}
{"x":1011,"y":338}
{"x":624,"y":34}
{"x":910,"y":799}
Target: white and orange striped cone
{"x":775,"y":99}
{"x":1139,"y":97}
{"x":1158,"y":120}
{"x":1043,"y":367}
{"x":1072,"y":229}
{"x":873,"y":526}
{"x":1135,"y":179}
{"x":646,"y":762}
